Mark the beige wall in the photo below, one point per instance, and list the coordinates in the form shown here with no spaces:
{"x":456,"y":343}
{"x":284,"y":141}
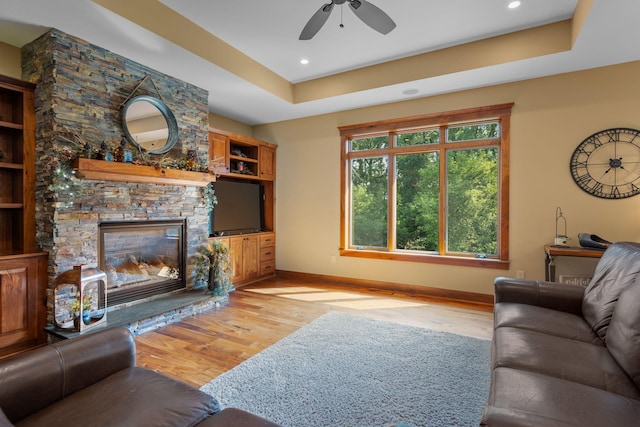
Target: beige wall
{"x":550,"y":118}
{"x":10,"y":61}
{"x":225,"y":123}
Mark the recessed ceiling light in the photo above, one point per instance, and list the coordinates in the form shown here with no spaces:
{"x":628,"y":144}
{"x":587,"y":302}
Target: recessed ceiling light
{"x":304,"y":61}
{"x":515,"y":4}
{"x":410,"y":91}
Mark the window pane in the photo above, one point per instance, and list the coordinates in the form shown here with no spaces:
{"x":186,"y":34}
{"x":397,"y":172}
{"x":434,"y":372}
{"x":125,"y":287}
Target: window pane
{"x":369,"y":196}
{"x":472,"y":201}
{"x":417,"y":201}
{"x":371,"y":143}
{"x":473,"y":132}
{"x":418,"y":138}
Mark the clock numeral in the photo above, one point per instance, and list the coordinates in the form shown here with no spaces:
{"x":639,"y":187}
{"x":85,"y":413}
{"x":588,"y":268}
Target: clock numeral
{"x":579,"y":164}
{"x":597,"y":188}
{"x":614,"y":135}
{"x":615,"y":192}
{"x":584,"y":179}
{"x":635,"y":135}
{"x":587,"y":143}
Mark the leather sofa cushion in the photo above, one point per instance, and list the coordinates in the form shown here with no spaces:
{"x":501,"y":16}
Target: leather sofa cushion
{"x":237,"y":418}
{"x":623,"y":337}
{"x":84,"y":361}
{"x":616,"y":270}
{"x":562,"y":358}
{"x":132,"y":397}
{"x":520,"y":398}
{"x":545,"y":320}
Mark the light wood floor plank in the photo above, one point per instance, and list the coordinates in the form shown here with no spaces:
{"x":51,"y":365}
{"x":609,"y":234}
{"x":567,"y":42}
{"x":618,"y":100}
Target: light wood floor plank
{"x":200,"y":348}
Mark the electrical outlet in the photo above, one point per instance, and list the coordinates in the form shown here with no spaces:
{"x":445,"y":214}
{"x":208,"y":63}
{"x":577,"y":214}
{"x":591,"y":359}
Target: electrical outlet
{"x":520,"y":274}
{"x":333,"y":259}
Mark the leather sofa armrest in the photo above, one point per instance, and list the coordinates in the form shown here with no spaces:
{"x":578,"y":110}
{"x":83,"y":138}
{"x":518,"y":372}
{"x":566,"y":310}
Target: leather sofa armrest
{"x":29,"y":381}
{"x":90,"y":358}
{"x":553,"y":295}
{"x":35,"y":379}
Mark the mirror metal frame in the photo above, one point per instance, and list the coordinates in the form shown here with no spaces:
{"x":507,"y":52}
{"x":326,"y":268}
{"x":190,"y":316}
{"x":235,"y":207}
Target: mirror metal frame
{"x":168,"y":116}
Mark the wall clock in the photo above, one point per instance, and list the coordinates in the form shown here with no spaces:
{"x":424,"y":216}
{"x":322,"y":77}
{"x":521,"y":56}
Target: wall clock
{"x":607,"y":164}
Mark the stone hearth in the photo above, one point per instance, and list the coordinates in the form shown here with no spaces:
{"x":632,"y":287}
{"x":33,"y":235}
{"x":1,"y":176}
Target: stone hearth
{"x":155,"y":313}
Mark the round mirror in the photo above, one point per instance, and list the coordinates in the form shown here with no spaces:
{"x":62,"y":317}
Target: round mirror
{"x":149,"y":124}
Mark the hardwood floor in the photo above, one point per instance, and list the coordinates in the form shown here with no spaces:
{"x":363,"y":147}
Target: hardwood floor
{"x":200,"y":348}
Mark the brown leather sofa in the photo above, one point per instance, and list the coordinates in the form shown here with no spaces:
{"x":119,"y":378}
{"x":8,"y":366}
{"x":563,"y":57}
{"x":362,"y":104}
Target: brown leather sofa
{"x":564,"y":355}
{"x":93,"y":380}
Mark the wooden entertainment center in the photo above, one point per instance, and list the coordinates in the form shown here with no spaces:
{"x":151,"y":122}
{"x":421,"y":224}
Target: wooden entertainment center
{"x":242,"y":158}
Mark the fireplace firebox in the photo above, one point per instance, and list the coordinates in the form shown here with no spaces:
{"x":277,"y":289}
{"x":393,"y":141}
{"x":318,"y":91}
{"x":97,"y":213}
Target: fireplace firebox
{"x":142,"y":258}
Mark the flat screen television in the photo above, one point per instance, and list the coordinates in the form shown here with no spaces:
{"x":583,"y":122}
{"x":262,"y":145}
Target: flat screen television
{"x":239,"y":208}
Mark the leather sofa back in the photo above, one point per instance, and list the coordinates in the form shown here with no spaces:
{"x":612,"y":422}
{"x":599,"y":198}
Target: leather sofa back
{"x":58,"y":370}
{"x":616,"y":270}
{"x":623,"y":336}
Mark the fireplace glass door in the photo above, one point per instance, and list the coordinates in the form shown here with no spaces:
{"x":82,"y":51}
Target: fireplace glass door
{"x":142,"y":259}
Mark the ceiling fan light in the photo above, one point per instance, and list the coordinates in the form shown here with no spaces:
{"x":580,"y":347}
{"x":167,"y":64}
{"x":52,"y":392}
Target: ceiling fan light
{"x":514,"y":4}
{"x":355,"y":4}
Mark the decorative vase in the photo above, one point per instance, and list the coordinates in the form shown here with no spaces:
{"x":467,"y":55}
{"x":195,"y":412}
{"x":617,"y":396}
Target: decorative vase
{"x":214,"y":285}
{"x":128,"y":156}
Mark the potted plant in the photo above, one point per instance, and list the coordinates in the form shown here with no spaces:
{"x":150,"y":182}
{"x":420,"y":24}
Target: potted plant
{"x":213,"y":266}
{"x":74,"y":306}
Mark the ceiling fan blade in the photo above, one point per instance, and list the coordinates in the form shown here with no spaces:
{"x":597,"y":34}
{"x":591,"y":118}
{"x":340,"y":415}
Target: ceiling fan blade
{"x":372,"y":15}
{"x":316,"y":22}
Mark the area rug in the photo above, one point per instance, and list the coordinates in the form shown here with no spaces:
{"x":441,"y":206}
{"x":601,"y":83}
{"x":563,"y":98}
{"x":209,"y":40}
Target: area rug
{"x":347,"y":370}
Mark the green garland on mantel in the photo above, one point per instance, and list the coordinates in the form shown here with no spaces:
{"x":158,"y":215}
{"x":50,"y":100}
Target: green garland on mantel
{"x":65,"y":187}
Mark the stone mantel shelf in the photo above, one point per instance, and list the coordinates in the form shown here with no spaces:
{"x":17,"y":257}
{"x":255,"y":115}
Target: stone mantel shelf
{"x":125,"y":172}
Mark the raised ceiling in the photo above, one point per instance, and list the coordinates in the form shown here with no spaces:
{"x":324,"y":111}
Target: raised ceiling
{"x":246,"y":54}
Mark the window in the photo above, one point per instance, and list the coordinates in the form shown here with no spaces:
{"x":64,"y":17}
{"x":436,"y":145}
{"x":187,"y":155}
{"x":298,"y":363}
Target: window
{"x":432,"y":188}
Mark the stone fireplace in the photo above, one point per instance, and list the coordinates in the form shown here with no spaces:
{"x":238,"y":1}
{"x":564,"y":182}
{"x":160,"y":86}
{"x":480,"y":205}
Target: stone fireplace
{"x":80,"y":89}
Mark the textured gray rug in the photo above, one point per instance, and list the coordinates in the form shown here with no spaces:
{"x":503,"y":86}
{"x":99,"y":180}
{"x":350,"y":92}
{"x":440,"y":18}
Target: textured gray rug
{"x":346,"y":370}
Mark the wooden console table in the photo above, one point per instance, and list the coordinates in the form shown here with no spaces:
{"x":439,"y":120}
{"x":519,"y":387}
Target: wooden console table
{"x":580,"y":262}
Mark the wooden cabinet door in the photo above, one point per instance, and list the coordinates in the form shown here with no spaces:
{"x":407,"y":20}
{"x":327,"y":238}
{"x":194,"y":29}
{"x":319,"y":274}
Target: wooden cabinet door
{"x":235,"y":255}
{"x":20,"y":314}
{"x":250,"y":259}
{"x":267,"y":163}
{"x":219,"y":152}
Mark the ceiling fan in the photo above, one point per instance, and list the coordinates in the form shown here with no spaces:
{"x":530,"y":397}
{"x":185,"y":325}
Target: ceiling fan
{"x":368,"y":13}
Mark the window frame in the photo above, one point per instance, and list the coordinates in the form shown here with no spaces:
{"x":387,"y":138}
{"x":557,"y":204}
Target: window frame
{"x":500,"y":113}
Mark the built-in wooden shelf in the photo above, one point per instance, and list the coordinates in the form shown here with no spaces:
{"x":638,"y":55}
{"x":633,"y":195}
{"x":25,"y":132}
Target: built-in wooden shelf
{"x":4,"y":165}
{"x":126,"y":172}
{"x":10,"y":125}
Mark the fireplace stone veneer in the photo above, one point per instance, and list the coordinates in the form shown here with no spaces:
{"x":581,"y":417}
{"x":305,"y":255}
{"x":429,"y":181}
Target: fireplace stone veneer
{"x":79,"y":91}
